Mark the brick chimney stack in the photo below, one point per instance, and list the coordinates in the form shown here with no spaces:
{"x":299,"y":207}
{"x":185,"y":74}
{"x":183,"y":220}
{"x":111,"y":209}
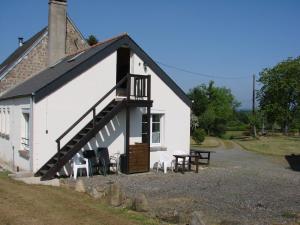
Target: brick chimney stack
{"x":57,"y":25}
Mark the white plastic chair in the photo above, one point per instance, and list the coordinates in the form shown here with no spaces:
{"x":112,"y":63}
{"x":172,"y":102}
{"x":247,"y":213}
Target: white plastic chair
{"x":164,"y":162}
{"x":79,"y":162}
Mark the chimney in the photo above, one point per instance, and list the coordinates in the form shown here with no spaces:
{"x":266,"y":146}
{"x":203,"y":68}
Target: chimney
{"x":57,"y":25}
{"x":21,"y":41}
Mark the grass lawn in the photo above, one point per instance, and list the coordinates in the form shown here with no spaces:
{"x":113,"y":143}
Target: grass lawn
{"x":213,"y":142}
{"x":275,"y":145}
{"x":209,"y":142}
{"x":34,"y":204}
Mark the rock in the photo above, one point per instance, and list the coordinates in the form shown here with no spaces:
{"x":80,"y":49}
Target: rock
{"x":79,"y":186}
{"x":230,"y":222}
{"x":168,"y":215}
{"x":128,"y":203}
{"x":116,"y":195}
{"x":97,"y":192}
{"x":196,"y":218}
{"x":140,"y":203}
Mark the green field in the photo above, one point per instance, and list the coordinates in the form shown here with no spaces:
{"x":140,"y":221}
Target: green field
{"x":273,"y":145}
{"x":278,"y":145}
{"x":209,"y":142}
{"x":213,"y":142}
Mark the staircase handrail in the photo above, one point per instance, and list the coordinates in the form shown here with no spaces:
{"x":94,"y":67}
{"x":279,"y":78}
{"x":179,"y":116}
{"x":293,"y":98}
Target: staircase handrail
{"x":93,"y":108}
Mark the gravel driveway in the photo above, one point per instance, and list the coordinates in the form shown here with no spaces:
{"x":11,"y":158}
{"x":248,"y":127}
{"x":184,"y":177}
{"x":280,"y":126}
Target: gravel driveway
{"x":238,"y":185}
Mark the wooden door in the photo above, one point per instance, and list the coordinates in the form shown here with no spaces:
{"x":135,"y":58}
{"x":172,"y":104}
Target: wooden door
{"x":139,"y":158}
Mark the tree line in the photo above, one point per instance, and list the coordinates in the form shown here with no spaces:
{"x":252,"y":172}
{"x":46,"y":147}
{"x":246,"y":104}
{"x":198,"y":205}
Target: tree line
{"x":215,"y":109}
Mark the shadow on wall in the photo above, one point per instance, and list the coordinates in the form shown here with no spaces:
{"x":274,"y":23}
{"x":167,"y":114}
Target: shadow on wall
{"x":294,"y":161}
{"x":106,"y":136}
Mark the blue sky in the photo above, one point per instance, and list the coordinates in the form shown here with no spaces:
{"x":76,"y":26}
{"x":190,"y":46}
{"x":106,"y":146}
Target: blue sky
{"x":227,"y":38}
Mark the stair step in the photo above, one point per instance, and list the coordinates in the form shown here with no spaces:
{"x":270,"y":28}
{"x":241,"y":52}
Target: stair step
{"x":68,"y":146}
{"x":43,"y":172}
{"x":50,"y":165}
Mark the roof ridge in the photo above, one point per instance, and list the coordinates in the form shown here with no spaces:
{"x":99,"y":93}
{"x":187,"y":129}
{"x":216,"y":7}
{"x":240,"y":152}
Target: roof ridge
{"x":99,"y":43}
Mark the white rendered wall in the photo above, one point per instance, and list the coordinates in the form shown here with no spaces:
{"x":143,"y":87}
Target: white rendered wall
{"x":176,"y":119}
{"x":113,"y":134}
{"x":62,"y":108}
{"x":9,"y":147}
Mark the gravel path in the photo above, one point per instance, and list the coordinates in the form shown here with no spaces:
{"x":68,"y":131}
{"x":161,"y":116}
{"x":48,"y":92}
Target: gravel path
{"x":238,"y":186}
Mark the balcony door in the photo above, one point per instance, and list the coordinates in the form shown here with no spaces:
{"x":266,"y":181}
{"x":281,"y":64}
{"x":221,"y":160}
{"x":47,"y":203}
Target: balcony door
{"x":123,"y":68}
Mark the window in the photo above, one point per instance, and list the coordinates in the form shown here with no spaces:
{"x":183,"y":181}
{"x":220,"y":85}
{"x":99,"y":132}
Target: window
{"x":144,"y":128}
{"x":25,"y":131}
{"x":155,"y":129}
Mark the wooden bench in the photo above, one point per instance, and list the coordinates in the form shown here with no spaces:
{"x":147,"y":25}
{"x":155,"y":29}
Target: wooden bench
{"x":200,"y":153}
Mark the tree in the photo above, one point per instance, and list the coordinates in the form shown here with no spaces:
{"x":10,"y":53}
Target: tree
{"x":279,"y":96}
{"x":92,"y":40}
{"x":198,"y":135}
{"x":213,"y":106}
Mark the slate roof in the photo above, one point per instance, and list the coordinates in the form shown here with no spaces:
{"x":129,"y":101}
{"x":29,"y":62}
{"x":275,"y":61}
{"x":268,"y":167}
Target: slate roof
{"x":19,"y":52}
{"x":72,"y":66}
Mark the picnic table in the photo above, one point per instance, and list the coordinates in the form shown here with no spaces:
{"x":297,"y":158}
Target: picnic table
{"x":192,"y":159}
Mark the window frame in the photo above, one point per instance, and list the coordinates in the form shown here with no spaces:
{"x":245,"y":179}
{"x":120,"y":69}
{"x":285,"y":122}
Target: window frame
{"x":25,"y":132}
{"x":161,"y":129}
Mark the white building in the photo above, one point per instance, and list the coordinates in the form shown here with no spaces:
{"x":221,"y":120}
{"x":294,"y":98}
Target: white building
{"x":115,"y":89}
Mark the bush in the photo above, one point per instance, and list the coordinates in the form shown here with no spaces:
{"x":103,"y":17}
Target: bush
{"x":218,"y":130}
{"x":198,"y":135}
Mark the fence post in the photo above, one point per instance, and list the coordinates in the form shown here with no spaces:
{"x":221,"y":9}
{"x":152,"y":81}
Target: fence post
{"x":149,"y":87}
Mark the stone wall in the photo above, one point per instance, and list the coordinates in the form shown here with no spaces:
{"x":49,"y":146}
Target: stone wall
{"x":37,"y":59}
{"x":33,"y":63}
{"x":74,"y":40}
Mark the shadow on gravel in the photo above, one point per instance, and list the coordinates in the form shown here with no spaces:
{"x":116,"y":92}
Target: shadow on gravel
{"x":294,"y":161}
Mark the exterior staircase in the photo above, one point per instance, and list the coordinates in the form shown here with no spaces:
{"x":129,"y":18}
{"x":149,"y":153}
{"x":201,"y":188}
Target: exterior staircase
{"x":136,"y":96}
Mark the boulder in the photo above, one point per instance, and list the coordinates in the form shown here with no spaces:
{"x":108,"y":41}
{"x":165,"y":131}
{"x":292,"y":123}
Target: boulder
{"x":140,"y":203}
{"x":116,"y":196}
{"x":97,"y":192}
{"x":80,"y":186}
{"x":196,"y":218}
{"x":128,"y":203}
{"x":168,"y":215}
